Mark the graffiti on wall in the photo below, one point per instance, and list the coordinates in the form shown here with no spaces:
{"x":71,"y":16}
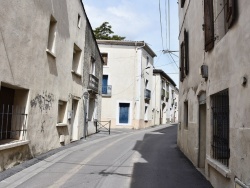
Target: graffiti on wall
{"x":44,"y":101}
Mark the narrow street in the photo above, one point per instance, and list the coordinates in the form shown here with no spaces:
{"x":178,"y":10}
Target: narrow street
{"x":137,"y":159}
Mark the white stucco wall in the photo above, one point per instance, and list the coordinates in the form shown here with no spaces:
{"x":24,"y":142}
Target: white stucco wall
{"x":127,"y":73}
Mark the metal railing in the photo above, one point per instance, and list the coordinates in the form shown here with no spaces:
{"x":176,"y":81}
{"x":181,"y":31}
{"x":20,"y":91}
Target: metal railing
{"x":107,"y":90}
{"x":147,"y":94}
{"x":102,"y":126}
{"x":93,"y":83}
{"x":163,"y":93}
{"x":13,"y":122}
{"x":220,"y":121}
{"x":167,"y":95}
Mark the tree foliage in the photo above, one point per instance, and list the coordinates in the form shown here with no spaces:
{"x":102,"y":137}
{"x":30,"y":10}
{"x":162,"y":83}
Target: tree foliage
{"x":105,"y":32}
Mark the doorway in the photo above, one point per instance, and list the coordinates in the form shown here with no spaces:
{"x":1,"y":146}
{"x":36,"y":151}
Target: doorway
{"x":202,"y":131}
{"x":124,"y":113}
{"x":74,"y":120}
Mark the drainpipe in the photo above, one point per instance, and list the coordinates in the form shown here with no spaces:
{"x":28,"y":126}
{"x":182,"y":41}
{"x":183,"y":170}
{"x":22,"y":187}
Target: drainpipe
{"x":139,"y":94}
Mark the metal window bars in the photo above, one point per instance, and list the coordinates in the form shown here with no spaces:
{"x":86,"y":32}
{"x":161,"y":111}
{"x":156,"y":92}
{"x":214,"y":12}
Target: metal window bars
{"x":220,"y":121}
{"x":13,"y":122}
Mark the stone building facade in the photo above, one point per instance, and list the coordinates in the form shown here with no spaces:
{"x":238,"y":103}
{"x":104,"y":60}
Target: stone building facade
{"x":50,"y":74}
{"x":214,"y":106}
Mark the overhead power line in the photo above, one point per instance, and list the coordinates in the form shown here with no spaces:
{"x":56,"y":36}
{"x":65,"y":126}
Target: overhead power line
{"x":161,"y":23}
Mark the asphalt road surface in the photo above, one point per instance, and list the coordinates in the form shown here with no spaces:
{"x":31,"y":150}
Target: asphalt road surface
{"x":136,"y":159}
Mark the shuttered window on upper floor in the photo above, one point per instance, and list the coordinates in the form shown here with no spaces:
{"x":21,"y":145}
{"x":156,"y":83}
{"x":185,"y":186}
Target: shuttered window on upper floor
{"x":219,"y":16}
{"x":208,"y":24}
{"x":230,"y":12}
{"x":184,"y":60}
{"x":182,"y":3}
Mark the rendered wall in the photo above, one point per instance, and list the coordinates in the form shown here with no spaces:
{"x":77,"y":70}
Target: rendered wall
{"x":26,"y":64}
{"x":227,"y":63}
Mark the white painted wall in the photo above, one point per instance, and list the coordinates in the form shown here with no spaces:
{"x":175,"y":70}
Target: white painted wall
{"x":126,"y":70}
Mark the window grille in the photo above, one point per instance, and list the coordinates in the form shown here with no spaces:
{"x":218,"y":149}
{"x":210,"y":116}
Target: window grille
{"x":220,"y":123}
{"x":13,"y":122}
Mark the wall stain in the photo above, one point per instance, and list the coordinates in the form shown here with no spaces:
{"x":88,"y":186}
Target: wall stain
{"x":42,"y":126}
{"x":44,"y":101}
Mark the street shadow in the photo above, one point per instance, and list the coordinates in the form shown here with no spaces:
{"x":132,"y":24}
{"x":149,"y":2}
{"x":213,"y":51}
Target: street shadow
{"x":103,"y":173}
{"x":164,"y":164}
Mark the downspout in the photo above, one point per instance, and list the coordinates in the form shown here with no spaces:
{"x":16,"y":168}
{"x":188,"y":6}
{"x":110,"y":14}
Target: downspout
{"x":140,"y":78}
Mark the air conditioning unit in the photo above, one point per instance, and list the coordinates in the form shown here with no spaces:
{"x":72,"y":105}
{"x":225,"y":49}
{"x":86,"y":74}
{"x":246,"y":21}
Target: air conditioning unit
{"x":204,"y":71}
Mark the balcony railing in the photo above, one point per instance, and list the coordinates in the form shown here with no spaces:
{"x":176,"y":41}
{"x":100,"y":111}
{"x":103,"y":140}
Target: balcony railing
{"x":147,"y":94}
{"x":163,"y":93}
{"x":106,"y":90}
{"x":93,"y":83}
{"x":167,"y":95}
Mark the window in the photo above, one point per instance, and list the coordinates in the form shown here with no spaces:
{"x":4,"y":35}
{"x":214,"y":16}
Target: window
{"x":52,"y":36}
{"x":62,"y":117}
{"x":186,"y":115}
{"x":105,"y":58}
{"x":147,"y":61}
{"x":184,"y":60}
{"x":182,"y":3}
{"x":219,"y":16}
{"x":79,"y":21}
{"x":167,"y":92}
{"x":223,"y":17}
{"x":76,"y":61}
{"x":92,"y":66}
{"x":220,"y":123}
{"x":104,"y":84}
{"x":124,"y":113}
{"x":13,"y":116}
{"x":173,"y":98}
{"x":146,"y":84}
{"x":146,"y":113}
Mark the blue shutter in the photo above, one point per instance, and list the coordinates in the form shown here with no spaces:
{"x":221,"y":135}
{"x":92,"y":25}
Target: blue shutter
{"x":105,"y":84}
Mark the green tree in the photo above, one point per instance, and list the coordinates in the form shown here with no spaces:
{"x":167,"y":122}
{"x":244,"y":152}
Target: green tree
{"x":105,"y":32}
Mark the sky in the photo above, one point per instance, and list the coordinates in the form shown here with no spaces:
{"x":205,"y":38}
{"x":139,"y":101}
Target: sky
{"x":142,"y":20}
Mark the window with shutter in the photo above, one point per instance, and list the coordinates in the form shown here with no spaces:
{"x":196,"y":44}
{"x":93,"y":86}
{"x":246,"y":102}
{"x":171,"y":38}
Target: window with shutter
{"x":208,"y":24}
{"x":182,"y":62}
{"x":186,"y":60}
{"x":230,"y":12}
{"x":182,"y":3}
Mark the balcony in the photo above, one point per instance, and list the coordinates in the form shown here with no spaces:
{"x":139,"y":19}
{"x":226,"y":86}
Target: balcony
{"x":147,"y":94}
{"x":167,"y":95}
{"x":163,"y":93}
{"x":107,"y":91}
{"x":93,"y":83}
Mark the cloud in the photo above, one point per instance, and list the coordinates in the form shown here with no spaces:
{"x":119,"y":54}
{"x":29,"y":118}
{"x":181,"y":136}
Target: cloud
{"x":124,"y":20}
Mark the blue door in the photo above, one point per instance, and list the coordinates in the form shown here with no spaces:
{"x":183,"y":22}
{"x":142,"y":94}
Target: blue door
{"x":123,"y":112}
{"x":105,"y":84}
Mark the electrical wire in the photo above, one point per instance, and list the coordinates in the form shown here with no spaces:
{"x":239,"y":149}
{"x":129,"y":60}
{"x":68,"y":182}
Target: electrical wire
{"x":220,"y":12}
{"x":173,"y":60}
{"x":168,"y":24}
{"x":166,"y":21}
{"x":161,"y":23}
